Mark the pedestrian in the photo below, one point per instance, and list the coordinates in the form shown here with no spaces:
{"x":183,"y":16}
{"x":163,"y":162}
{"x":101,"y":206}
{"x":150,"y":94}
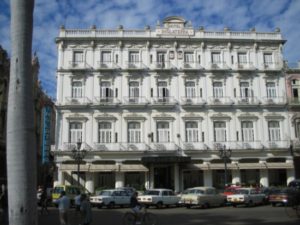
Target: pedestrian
{"x":63,"y":207}
{"x":4,"y":205}
{"x":86,"y":210}
{"x":77,"y":201}
{"x":44,"y":201}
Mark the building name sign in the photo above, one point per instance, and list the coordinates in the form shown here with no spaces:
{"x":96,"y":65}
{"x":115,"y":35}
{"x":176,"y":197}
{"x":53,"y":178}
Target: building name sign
{"x":175,"y":31}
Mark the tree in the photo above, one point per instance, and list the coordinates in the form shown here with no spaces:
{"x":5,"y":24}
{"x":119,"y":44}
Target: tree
{"x":21,"y":150}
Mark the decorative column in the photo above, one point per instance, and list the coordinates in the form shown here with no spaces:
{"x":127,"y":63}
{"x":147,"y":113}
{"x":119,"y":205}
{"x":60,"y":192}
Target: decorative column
{"x":120,"y":179}
{"x":151,"y":181}
{"x":147,"y":180}
{"x":60,"y":177}
{"x":236,"y":176}
{"x":290,"y":173}
{"x":208,"y":178}
{"x":90,"y":182}
{"x":176,"y":178}
{"x":264,"y":177}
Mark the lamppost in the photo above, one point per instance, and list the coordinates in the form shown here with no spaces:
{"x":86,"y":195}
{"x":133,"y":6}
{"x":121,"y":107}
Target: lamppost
{"x":78,"y":156}
{"x":225,"y":155}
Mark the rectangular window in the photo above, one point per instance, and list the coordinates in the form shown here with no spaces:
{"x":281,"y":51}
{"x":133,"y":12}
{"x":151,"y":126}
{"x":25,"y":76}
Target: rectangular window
{"x":134,"y":57}
{"x":190,"y":89}
{"x":163,"y":91}
{"x":220,"y":131}
{"x":106,"y":90}
{"x":76,"y":89}
{"x":134,"y":132}
{"x":218,"y":89}
{"x":271,"y":90}
{"x":163,"y":132}
{"x":105,"y":132}
{"x":244,"y":88}
{"x":192,"y":132}
{"x":106,"y":57}
{"x":274,"y":131}
{"x":216,"y":57}
{"x":134,"y":90}
{"x":188,"y":57}
{"x":247,"y":131}
{"x":242,"y":58}
{"x":268,"y":59}
{"x":78,"y":56}
{"x":75,"y":132}
{"x":161,"y":56}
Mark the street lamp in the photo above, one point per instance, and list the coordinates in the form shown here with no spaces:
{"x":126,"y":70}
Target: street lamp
{"x":78,"y":156}
{"x":225,"y":155}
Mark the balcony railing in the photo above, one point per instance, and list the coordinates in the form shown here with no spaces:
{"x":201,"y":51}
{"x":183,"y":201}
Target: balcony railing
{"x":164,"y":146}
{"x":107,"y":65}
{"x":192,"y":101}
{"x":106,"y":100}
{"x":244,"y":66}
{"x":294,"y":101}
{"x":218,"y":66}
{"x":78,"y":100}
{"x":69,"y":146}
{"x":78,"y":65}
{"x":274,"y":100}
{"x":135,"y":100}
{"x":166,"y":65}
{"x":220,"y":101}
{"x":249,"y":145}
{"x":272,"y":66}
{"x":106,"y":146}
{"x":194,"y":146}
{"x":247,"y":101}
{"x":137,"y":65}
{"x":134,"y":147}
{"x":276,"y":144}
{"x":164,"y":100}
{"x":192,"y":65}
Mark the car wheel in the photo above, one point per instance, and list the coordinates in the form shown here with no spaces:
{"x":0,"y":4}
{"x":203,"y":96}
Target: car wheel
{"x":159,"y":205}
{"x":111,"y":205}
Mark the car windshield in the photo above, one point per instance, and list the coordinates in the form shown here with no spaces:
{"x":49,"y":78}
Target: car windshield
{"x":196,"y":191}
{"x":105,"y":193}
{"x":241,"y":191}
{"x":58,"y":190}
{"x":151,"y":192}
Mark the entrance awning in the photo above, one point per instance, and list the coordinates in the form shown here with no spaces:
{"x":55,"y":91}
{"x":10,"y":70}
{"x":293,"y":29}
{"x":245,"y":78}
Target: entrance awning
{"x":279,"y":165}
{"x":166,"y":159}
{"x":133,"y":168}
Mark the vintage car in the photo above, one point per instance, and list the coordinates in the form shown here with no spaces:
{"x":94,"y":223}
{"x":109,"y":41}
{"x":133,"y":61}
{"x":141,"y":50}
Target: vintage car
{"x":158,"y":198}
{"x":111,"y":198}
{"x":281,"y":196}
{"x":247,"y":197}
{"x":204,"y":197}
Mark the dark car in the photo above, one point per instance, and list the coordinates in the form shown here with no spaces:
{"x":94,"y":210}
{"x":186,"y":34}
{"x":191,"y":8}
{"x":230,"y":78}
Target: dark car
{"x":281,"y":196}
{"x":295,"y":184}
{"x":269,"y":191}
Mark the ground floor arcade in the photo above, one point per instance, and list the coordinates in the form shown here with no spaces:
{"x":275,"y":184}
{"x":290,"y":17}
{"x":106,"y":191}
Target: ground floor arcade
{"x":177,"y":176}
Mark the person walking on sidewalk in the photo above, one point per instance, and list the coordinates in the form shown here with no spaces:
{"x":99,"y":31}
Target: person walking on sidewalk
{"x":86,"y":210}
{"x":63,"y":207}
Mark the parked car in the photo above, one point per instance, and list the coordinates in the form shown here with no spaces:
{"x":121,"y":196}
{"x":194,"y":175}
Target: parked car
{"x":268,"y":191}
{"x":281,"y":196}
{"x":159,"y":198}
{"x":204,"y":197}
{"x":71,"y":192}
{"x":295,"y":184}
{"x":230,"y":190}
{"x":246,"y":196}
{"x":111,"y":198}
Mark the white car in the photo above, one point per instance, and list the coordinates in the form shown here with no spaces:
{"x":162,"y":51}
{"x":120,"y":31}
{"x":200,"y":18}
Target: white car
{"x":111,"y":198}
{"x":159,"y":198}
{"x":204,"y":197}
{"x":246,"y":196}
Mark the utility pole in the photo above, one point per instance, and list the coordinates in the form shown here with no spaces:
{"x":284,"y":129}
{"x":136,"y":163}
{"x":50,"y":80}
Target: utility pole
{"x":21,"y":150}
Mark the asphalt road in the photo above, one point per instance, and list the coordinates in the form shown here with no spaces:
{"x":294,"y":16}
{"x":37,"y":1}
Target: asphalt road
{"x":259,"y":215}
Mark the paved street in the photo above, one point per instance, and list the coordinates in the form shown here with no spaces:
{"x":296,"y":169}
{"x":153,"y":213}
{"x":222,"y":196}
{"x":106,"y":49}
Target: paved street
{"x":266,"y":215}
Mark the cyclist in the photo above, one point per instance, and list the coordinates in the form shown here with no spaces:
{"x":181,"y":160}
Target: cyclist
{"x":134,"y":204}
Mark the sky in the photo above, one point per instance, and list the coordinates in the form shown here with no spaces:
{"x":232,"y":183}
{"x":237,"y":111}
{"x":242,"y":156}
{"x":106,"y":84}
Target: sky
{"x":214,"y":15}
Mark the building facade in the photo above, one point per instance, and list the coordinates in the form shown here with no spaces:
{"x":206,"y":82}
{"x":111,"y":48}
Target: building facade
{"x":155,"y":107}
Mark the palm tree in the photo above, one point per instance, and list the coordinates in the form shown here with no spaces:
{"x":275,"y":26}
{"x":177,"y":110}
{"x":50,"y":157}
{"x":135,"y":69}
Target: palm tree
{"x":21,"y":151}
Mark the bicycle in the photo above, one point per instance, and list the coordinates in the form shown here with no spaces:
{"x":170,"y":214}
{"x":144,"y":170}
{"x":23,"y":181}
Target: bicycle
{"x":143,"y":218}
{"x":292,"y":207}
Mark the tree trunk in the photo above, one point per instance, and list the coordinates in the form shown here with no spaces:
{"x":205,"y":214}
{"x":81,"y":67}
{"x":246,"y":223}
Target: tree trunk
{"x":21,"y":149}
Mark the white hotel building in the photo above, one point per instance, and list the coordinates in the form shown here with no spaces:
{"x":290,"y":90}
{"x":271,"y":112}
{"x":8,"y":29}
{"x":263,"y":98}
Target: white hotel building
{"x":153,"y":107}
